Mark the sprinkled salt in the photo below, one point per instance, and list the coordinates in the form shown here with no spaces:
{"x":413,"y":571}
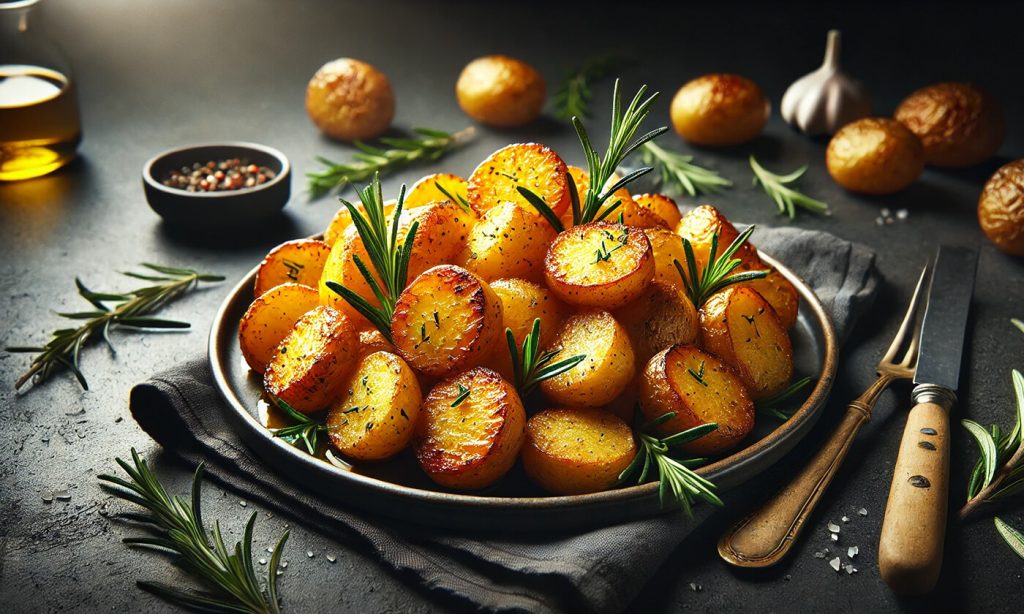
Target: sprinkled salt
{"x":879,"y":221}
{"x":862,"y":512}
{"x":270,"y":550}
{"x":846,"y":519}
{"x":331,"y":558}
{"x":850,"y":569}
{"x":885,"y":212}
{"x":834,"y":563}
{"x":696,"y":587}
{"x":819,"y":555}
{"x":902,"y":214}
{"x":834,"y":536}
{"x":263,"y":561}
{"x":284,"y":565}
{"x":62,"y":495}
{"x":242,"y":503}
{"x":853,"y":551}
{"x":279,"y":572}
{"x":309,"y":553}
{"x":833,"y":527}
{"x":47,"y":498}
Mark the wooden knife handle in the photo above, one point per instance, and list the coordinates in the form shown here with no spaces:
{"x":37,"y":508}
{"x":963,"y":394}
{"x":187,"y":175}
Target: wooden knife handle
{"x":764,"y":537}
{"x":914,"y":527}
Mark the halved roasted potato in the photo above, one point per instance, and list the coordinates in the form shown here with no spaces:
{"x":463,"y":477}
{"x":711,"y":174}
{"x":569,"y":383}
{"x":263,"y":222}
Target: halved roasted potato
{"x":301,"y":261}
{"x":341,"y":268}
{"x":605,"y":372}
{"x":662,"y":206}
{"x":441,"y":236}
{"x":470,"y":430}
{"x":530,"y":165}
{"x":522,"y":302}
{"x":426,"y":191}
{"x":667,"y":248}
{"x":508,"y":241}
{"x":699,"y":389}
{"x":571,"y":451}
{"x":660,"y":317}
{"x":741,"y":328}
{"x":780,"y":294}
{"x":270,"y":318}
{"x":376,"y":414}
{"x":446,"y":320}
{"x":309,"y":367}
{"x":599,"y":265}
{"x":372,"y":340}
{"x":699,"y":226}
{"x":631,"y":212}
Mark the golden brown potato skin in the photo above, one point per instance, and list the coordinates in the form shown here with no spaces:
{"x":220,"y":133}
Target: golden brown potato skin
{"x":534,"y":166}
{"x":662,"y":206}
{"x":668,"y":386}
{"x":473,"y":444}
{"x":501,"y":91}
{"x":1001,"y":208}
{"x":875,"y":155}
{"x":699,"y":226}
{"x":576,"y":451}
{"x":270,"y":318}
{"x":719,"y":110}
{"x":350,"y":100}
{"x":606,"y":371}
{"x":959,"y":124}
{"x":301,"y":261}
{"x":780,"y":294}
{"x":508,"y":241}
{"x":661,"y":317}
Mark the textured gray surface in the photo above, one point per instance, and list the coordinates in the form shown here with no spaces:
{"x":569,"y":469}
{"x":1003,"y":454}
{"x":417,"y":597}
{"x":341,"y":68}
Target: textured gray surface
{"x":156,"y":75}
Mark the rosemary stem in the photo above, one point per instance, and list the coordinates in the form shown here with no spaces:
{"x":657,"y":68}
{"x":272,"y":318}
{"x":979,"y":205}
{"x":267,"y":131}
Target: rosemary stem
{"x":982,"y":497}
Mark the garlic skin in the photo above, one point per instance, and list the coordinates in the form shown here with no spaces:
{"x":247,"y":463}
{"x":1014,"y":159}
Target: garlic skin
{"x":825,"y":100}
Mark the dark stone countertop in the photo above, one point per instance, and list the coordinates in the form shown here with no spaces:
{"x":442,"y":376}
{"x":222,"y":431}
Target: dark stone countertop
{"x":154,"y":75}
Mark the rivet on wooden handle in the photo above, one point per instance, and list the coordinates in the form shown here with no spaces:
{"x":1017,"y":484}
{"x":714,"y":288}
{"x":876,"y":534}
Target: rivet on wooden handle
{"x":910,"y":548}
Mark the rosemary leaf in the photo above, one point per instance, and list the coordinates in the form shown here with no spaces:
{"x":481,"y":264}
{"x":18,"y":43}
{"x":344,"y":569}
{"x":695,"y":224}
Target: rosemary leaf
{"x":772,"y":405}
{"x":786,"y":198}
{"x":572,"y":98}
{"x":718,"y":274}
{"x":986,"y":447}
{"x":1013,"y":538}
{"x":531,"y":367}
{"x":678,"y":172}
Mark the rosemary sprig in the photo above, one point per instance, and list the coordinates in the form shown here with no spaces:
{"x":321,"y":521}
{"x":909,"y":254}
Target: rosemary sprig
{"x":228,"y":576}
{"x":463,"y":395}
{"x":428,"y":146}
{"x":1013,"y":538}
{"x":389,"y":257}
{"x":773,"y":405}
{"x":532,"y":366}
{"x":786,"y":198}
{"x":572,"y":98}
{"x":718,"y":273}
{"x":677,"y":171}
{"x":130,"y":311}
{"x":625,"y":124}
{"x":304,"y":431}
{"x":675,"y":476}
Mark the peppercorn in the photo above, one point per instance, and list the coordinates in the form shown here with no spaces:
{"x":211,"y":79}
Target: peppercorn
{"x":230,"y":174}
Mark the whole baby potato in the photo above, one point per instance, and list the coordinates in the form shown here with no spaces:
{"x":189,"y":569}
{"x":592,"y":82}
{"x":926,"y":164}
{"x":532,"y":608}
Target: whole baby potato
{"x":959,"y":124}
{"x":350,"y":100}
{"x":875,"y":155}
{"x":501,"y":91}
{"x":1001,"y":208}
{"x":720,"y":109}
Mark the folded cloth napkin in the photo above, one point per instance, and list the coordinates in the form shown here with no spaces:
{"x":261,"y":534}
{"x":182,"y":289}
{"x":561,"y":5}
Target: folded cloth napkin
{"x":597,"y":570}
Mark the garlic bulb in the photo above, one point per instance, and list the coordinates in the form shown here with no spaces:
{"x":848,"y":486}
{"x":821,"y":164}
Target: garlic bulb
{"x":825,"y":100}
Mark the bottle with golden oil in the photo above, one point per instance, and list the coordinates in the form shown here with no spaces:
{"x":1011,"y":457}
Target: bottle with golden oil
{"x":39,"y":121}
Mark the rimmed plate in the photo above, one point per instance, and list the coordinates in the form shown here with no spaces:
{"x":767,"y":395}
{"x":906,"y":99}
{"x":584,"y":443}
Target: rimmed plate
{"x":397,"y":489}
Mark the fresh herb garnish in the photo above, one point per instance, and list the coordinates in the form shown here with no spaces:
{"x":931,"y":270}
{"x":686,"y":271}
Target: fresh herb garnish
{"x":390,"y":259}
{"x":572,"y":98}
{"x":463,"y":395}
{"x":677,"y":171}
{"x":786,"y":198}
{"x":456,"y":198}
{"x":305,"y":431}
{"x":533,"y":367}
{"x":718,"y":274}
{"x":227,"y":576}
{"x":675,"y":476}
{"x":774,"y":405}
{"x":430,"y":145}
{"x":698,"y":375}
{"x":65,"y":346}
{"x":1013,"y":538}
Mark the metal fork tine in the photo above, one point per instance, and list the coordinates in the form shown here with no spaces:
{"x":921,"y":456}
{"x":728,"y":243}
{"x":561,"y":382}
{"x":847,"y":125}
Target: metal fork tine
{"x":909,"y":320}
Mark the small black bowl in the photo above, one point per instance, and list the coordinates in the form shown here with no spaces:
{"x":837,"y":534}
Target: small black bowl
{"x":241,"y":207}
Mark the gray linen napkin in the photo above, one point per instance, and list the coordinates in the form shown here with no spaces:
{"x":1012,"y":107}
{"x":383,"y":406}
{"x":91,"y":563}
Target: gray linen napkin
{"x":599,"y":570}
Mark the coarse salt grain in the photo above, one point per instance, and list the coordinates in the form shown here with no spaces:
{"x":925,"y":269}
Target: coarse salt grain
{"x":834,"y":563}
{"x":862,"y":512}
{"x":853,"y":551}
{"x":833,"y":527}
{"x":834,"y":536}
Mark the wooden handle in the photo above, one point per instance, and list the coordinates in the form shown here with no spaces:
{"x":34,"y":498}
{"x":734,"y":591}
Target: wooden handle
{"x":763,"y":538}
{"x":910,"y":549}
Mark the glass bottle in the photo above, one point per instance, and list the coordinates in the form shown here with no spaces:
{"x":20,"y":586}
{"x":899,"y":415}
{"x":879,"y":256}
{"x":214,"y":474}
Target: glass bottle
{"x":39,"y":122}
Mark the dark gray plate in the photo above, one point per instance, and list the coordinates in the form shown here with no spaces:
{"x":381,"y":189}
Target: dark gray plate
{"x":398,"y":489}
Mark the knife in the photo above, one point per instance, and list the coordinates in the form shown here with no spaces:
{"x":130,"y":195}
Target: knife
{"x":914,"y":527}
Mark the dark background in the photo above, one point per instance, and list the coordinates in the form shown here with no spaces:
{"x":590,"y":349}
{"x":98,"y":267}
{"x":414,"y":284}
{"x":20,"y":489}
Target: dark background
{"x":154,"y":75}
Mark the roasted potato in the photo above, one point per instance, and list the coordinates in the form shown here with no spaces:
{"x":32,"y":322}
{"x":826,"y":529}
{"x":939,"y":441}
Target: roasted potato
{"x":446,"y":320}
{"x":959,"y":124}
{"x":699,"y":389}
{"x":311,"y":363}
{"x":522,"y":302}
{"x":270,"y":318}
{"x":529,"y":165}
{"x":501,"y":91}
{"x":350,"y":100}
{"x":667,"y":248}
{"x":875,"y":155}
{"x":738,"y":326}
{"x":700,"y":225}
{"x":300,"y":262}
{"x":426,"y":190}
{"x":631,"y":212}
{"x":599,"y":265}
{"x":372,"y":340}
{"x":342,"y":221}
{"x":660,"y":317}
{"x":662,"y":206}
{"x":609,"y":365}
{"x":470,"y":430}
{"x":719,"y":110}
{"x":341,"y":268}
{"x":376,"y":414}
{"x":780,"y":294}
{"x":1001,"y":208}
{"x":508,"y":241}
{"x":576,"y":451}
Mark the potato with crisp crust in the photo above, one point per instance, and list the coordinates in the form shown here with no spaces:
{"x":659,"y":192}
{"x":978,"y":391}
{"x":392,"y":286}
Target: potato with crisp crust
{"x":699,"y":227}
{"x":660,"y":317}
{"x":699,"y":389}
{"x":599,"y":264}
{"x":571,"y":451}
{"x":270,"y":318}
{"x":501,"y":91}
{"x":719,"y":109}
{"x":780,"y":294}
{"x":447,"y":320}
{"x":875,"y":155}
{"x":605,"y":372}
{"x":350,"y":100}
{"x":959,"y":124}
{"x":376,"y":415}
{"x":508,"y":241}
{"x":301,"y":261}
{"x":632,"y":213}
{"x":738,"y":326}
{"x":341,"y":268}
{"x":470,"y":430}
{"x":667,"y":248}
{"x":342,"y":221}
{"x":662,"y":206}
{"x":426,"y":190}
{"x":372,"y":340}
{"x":530,"y":165}
{"x":311,"y":363}
{"x":1001,"y":208}
{"x":522,"y":302}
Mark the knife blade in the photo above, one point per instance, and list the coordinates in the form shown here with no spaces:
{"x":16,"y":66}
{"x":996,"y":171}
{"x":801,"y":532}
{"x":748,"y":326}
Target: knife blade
{"x":914,"y":527}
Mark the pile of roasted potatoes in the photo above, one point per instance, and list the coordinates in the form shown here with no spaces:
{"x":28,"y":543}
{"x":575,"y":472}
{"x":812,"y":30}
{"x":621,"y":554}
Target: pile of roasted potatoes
{"x":443,"y":380}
